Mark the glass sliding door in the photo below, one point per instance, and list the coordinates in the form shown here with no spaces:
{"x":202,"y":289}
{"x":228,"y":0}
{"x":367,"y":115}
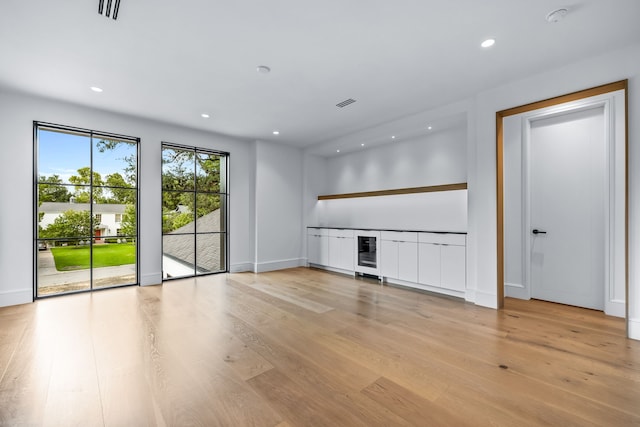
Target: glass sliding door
{"x":85,"y":204}
{"x":194,"y":211}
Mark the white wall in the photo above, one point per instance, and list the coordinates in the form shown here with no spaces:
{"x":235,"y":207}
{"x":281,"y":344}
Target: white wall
{"x":438,"y":158}
{"x":278,"y":206}
{"x":434,"y":159}
{"x":315,"y":182}
{"x":616,"y":65}
{"x":437,"y":211}
{"x":17,"y":113}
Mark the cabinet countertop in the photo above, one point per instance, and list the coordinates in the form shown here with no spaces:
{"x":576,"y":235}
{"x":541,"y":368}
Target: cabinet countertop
{"x":390,"y":229}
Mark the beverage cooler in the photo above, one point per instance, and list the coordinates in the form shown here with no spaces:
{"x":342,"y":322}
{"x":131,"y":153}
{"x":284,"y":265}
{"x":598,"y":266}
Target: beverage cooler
{"x":367,"y":254}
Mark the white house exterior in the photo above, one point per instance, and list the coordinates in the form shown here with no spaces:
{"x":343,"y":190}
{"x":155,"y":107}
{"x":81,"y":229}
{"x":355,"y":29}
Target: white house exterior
{"x":108,"y":216}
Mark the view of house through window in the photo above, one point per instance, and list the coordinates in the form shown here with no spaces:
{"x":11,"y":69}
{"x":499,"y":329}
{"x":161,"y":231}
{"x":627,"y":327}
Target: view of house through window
{"x":86,"y":203}
{"x":194,"y":211}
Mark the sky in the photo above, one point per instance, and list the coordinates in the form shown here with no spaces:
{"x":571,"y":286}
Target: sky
{"x":63,"y":154}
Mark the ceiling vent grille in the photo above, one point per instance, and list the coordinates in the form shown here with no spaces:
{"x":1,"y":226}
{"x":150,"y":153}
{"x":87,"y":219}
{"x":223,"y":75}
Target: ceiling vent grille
{"x":109,"y":8}
{"x":345,"y":103}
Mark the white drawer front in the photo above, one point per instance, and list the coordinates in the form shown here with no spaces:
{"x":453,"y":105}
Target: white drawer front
{"x":399,"y":236}
{"x":317,"y":232}
{"x":443,"y":238}
{"x":340,"y":232}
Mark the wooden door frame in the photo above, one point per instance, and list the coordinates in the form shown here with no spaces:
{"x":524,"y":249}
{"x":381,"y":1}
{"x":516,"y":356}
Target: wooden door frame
{"x":575,"y":96}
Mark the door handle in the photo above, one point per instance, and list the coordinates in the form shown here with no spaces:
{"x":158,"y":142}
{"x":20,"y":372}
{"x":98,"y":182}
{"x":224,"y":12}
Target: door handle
{"x":536,"y":231}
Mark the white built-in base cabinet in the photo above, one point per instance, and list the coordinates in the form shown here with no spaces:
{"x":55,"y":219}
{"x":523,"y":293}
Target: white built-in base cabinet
{"x":318,"y":246}
{"x":430,"y":261}
{"x":399,"y":255}
{"x":341,"y":249}
{"x":442,"y":261}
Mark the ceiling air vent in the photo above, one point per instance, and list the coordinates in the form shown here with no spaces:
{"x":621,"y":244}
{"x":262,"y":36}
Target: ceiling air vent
{"x":345,"y":103}
{"x":109,"y":8}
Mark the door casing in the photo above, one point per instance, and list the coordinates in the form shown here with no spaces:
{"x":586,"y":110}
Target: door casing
{"x":556,"y":105}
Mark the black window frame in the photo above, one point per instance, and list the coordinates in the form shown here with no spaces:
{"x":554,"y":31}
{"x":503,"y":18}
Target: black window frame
{"x":38,"y":125}
{"x":225,"y":209}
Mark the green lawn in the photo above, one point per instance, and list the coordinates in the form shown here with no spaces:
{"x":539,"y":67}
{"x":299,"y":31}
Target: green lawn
{"x":70,"y":258}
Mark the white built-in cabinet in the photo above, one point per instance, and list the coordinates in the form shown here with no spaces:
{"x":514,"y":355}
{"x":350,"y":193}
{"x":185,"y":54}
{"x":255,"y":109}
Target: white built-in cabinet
{"x":399,"y":255}
{"x":431,"y":261}
{"x":442,"y":260}
{"x":341,"y":249}
{"x":318,"y":246}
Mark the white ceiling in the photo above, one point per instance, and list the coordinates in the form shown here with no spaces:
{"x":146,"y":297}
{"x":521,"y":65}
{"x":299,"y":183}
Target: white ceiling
{"x":172,"y":60}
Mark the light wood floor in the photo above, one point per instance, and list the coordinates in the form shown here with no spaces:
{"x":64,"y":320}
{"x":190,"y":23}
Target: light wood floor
{"x":303,"y":347}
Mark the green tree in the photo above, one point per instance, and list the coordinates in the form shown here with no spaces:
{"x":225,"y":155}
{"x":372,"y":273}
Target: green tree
{"x":129,"y":222}
{"x":184,"y":171}
{"x":121,"y":191}
{"x":69,"y":225}
{"x":208,"y":172}
{"x":172,"y":220}
{"x":50,"y":189}
{"x":82,"y":181}
{"x":130,"y":160}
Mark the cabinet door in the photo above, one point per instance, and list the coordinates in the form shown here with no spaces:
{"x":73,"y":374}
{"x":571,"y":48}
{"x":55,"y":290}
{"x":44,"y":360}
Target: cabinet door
{"x":313,"y":249}
{"x":334,"y":251}
{"x":318,"y":249}
{"x":408,"y":261}
{"x":429,"y":264}
{"x":454,"y":267}
{"x":347,"y":253}
{"x":389,"y":259}
{"x":324,"y":250}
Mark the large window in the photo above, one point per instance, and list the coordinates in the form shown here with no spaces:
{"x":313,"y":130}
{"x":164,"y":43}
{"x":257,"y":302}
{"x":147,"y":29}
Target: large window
{"x":194,"y":211}
{"x":84,"y":180}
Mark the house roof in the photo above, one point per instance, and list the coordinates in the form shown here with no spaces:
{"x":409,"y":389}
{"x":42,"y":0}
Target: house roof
{"x":98,"y":208}
{"x":180,"y":248}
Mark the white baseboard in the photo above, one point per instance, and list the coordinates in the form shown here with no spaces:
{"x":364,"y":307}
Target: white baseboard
{"x":151,"y":279}
{"x":513,"y":285}
{"x":484,"y":299}
{"x":634,"y":329}
{"x":516,"y":290}
{"x":261,"y":267}
{"x":241,"y":267}
{"x":16,"y":297}
{"x":334,"y":270}
{"x":470,"y":295}
{"x":615,"y":308}
{"x":434,"y":289}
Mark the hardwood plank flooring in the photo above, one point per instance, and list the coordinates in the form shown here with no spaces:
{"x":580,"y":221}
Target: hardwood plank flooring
{"x":305,"y":347}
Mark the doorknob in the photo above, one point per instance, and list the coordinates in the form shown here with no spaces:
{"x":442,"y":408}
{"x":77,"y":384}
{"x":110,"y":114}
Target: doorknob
{"x":536,"y":231}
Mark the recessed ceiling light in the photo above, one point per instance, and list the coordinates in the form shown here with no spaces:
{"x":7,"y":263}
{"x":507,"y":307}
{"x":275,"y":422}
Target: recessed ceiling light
{"x":337,"y":151}
{"x":488,"y":43}
{"x":263,"y":69}
{"x":205,"y":115}
{"x":276,"y":132}
{"x":362,"y":145}
{"x":96,"y":89}
{"x":429,"y":128}
{"x":393,"y":137}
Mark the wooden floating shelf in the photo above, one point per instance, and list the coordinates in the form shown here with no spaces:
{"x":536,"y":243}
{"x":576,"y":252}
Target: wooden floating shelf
{"x":397,"y":191}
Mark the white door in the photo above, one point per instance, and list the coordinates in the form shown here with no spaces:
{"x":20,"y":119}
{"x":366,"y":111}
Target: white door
{"x":567,"y":208}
